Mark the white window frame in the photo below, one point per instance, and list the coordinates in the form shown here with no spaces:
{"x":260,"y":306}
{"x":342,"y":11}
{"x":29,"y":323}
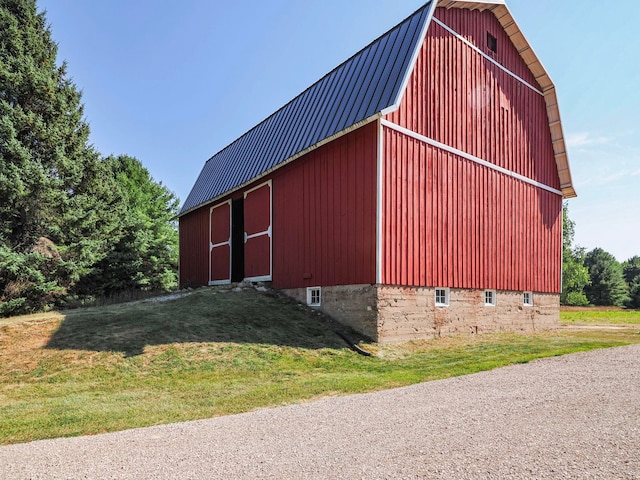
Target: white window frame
{"x":314,"y":296}
{"x":447,"y":296}
{"x":490,"y":298}
{"x":527,"y":299}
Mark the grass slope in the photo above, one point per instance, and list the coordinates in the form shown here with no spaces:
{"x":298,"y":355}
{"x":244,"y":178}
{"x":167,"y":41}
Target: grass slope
{"x":218,"y":352}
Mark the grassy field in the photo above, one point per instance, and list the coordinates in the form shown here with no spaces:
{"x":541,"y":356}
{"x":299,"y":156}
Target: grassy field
{"x":219,"y":352}
{"x":595,"y":315}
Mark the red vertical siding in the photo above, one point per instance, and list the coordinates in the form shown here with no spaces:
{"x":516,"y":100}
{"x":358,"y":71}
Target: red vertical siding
{"x":472,"y":227}
{"x":459,"y":98}
{"x":194,"y":247}
{"x":448,"y":221}
{"x":324,"y":214}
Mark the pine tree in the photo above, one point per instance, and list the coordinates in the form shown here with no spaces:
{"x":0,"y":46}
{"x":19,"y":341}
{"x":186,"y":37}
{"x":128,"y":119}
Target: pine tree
{"x":146,"y":256}
{"x":607,"y":285}
{"x":59,"y":201}
{"x":631,"y":270}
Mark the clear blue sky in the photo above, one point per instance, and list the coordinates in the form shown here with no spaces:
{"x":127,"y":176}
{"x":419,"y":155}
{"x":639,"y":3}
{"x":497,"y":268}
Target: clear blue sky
{"x":173,"y":82}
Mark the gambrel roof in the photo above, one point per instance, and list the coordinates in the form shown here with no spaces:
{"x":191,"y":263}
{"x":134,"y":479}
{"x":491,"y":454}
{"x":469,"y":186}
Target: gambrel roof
{"x":368,"y":85}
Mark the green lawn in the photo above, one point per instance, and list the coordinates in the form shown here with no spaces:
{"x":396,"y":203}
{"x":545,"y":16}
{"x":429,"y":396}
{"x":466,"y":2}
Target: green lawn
{"x":594,"y":315}
{"x":219,"y":352}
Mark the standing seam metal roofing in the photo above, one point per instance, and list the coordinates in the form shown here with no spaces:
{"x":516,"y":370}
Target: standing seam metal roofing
{"x":366,"y":84}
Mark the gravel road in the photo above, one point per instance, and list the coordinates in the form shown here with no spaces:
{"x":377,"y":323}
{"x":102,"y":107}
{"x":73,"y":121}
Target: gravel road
{"x":574,"y":417}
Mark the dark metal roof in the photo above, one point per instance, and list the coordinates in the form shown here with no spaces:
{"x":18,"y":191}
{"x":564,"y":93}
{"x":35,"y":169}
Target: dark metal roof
{"x":368,"y":83}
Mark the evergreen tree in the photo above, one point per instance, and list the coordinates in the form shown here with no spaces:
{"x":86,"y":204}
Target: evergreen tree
{"x":146,"y":255}
{"x":59,"y":203}
{"x":607,"y":286}
{"x":631,"y":270}
{"x":575,"y":276}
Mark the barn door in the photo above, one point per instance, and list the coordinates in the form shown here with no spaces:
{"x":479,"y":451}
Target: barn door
{"x":257,"y":233}
{"x":220,"y":244}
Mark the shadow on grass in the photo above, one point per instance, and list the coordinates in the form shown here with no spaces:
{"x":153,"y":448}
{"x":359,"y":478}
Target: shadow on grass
{"x":207,"y":315}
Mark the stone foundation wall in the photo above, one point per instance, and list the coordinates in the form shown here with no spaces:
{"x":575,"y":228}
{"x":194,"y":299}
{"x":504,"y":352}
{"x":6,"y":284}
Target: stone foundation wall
{"x":406,"y":314}
{"x":351,"y":305}
{"x":399,"y":314}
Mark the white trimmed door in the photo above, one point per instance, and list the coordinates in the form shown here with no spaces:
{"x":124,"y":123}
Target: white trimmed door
{"x":220,"y":244}
{"x":257,"y":233}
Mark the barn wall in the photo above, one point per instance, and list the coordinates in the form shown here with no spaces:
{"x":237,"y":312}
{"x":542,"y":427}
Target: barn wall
{"x":324,"y":218}
{"x":324,"y":214}
{"x":194,"y":247}
{"x":448,"y":221}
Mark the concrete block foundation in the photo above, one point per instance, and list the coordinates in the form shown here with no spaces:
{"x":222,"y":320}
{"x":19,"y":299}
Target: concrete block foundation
{"x":400,"y":314}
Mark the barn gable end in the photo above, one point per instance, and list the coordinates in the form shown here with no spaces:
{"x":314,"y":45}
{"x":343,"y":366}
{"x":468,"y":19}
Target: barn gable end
{"x":466,"y":224}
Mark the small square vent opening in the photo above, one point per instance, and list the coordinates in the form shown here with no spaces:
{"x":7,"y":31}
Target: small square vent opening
{"x":492,"y":43}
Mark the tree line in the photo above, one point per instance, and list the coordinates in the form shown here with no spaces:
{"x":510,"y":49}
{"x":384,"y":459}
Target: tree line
{"x":74,"y":224}
{"x":596,"y":277}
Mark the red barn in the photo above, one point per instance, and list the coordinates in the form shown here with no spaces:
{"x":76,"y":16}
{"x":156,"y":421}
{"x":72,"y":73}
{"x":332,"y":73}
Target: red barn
{"x":415,"y":190}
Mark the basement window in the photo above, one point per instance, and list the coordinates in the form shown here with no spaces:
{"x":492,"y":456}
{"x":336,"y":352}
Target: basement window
{"x":527,"y":299}
{"x":489,"y":298}
{"x":442,"y":297}
{"x":492,"y":43}
{"x":314,"y":296}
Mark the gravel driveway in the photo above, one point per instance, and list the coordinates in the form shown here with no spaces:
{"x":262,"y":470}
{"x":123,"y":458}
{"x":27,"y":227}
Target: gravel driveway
{"x":576,"y":416}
